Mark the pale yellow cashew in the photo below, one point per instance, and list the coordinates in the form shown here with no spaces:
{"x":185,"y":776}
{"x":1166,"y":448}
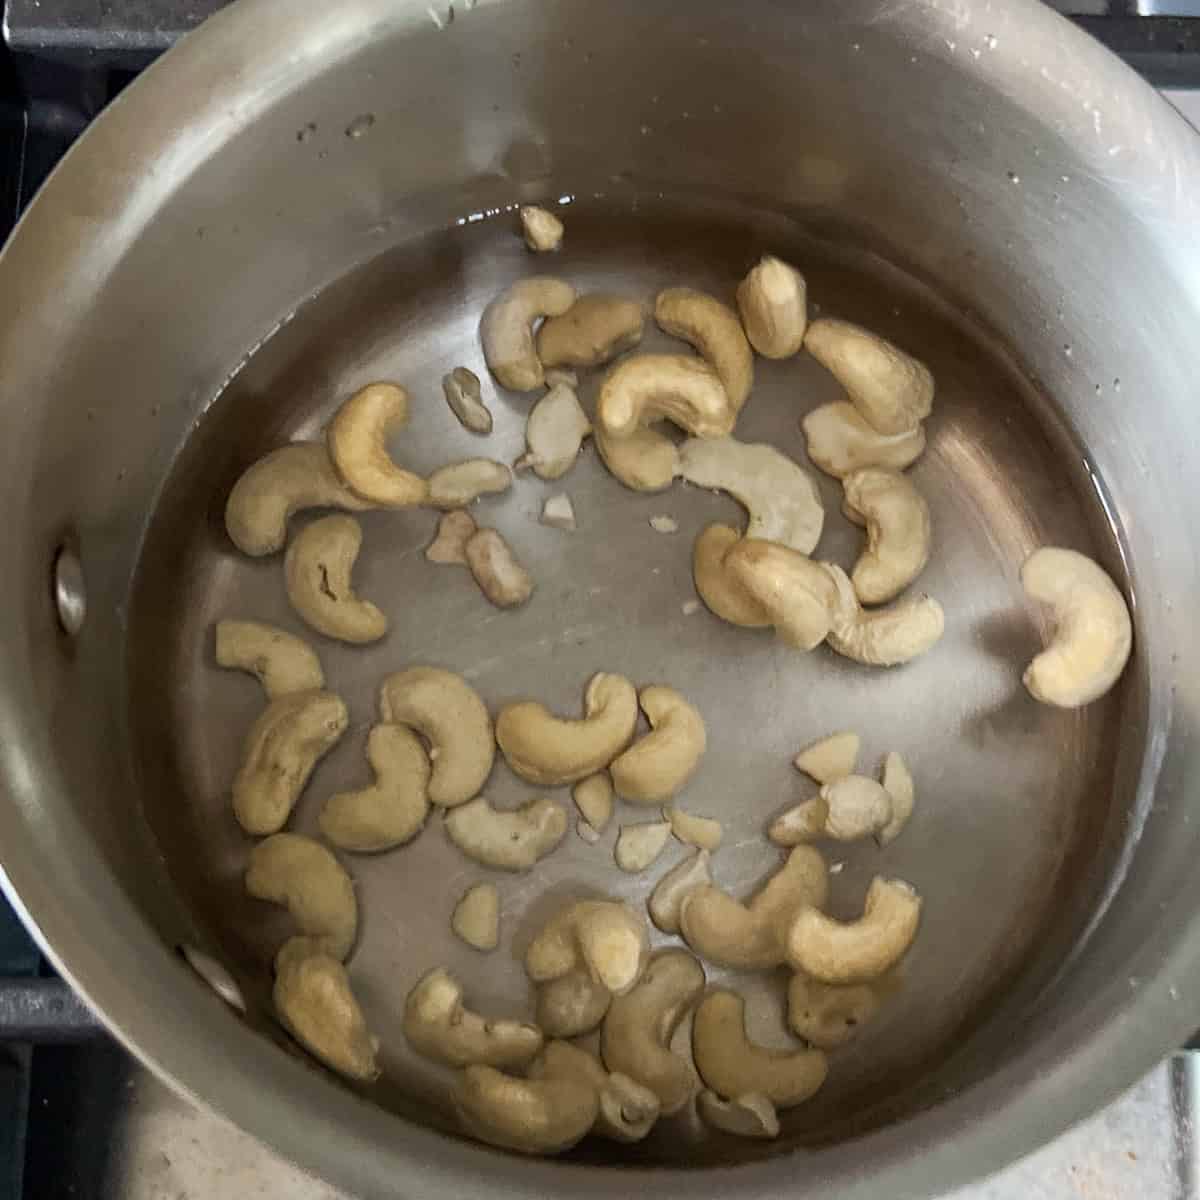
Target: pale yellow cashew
{"x":512,"y":840}
{"x":280,"y":661}
{"x":839,"y":441}
{"x":657,"y":766}
{"x":855,"y":807}
{"x":476,"y":917}
{"x":831,"y":758}
{"x":714,"y":329}
{"x":881,"y":637}
{"x":507,"y":329}
{"x":639,"y":845}
{"x":899,"y":532}
{"x":795,"y":592}
{"x":898,"y":783}
{"x":718,"y":587}
{"x":554,"y":434}
{"x":533,"y":1116}
{"x":594,"y":330}
{"x":494,"y":566}
{"x":357,"y":439}
{"x":664,"y":387}
{"x":773,"y":302}
{"x":593,"y":797}
{"x":542,"y":230}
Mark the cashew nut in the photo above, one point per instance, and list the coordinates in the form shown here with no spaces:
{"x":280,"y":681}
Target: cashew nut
{"x":773,"y":302}
{"x":476,"y":917}
{"x":657,"y":766}
{"x":548,"y":750}
{"x":667,"y":898}
{"x":559,"y":513}
{"x":892,"y":390}
{"x":454,"y":531}
{"x":749,"y":1116}
{"x":804,"y":822}
{"x":856,"y":807}
{"x":542,"y":230}
{"x":835,"y":952}
{"x":311,"y":884}
{"x":459,"y":484}
{"x":357,"y":439}
{"x":1093,"y":635}
{"x":898,"y":532}
{"x":464,"y":394}
{"x":572,"y":1005}
{"x":839,"y":441}
{"x":512,"y":840}
{"x":533,"y":1116}
{"x":750,"y":936}
{"x":317,"y":570}
{"x":782,"y":500}
{"x":636,"y":1036}
{"x":718,"y":587}
{"x":606,"y":937}
{"x":280,"y":661}
{"x":657,"y":387}
{"x":448,"y":713}
{"x":831,"y":758}
{"x":898,"y":783}
{"x":716,"y":333}
{"x":594,"y":330}
{"x":645,"y":461}
{"x":826,"y":1015}
{"x":732,"y":1065}
{"x":554,"y":434}
{"x":593,"y":797}
{"x":493,"y":565}
{"x":439,"y":1026}
{"x":640,"y":845}
{"x":881,"y":637}
{"x":283,"y":746}
{"x":704,"y":832}
{"x":795,"y":592}
{"x":507,"y":329}
{"x":393,"y":809}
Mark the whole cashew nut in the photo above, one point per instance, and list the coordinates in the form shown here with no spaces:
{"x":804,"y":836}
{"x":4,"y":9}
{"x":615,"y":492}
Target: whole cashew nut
{"x":512,"y":841}
{"x":657,"y":766}
{"x":606,"y":937}
{"x":718,"y":587}
{"x":571,"y":1005}
{"x":898,"y":783}
{"x":357,"y":439}
{"x":476,"y":917}
{"x":542,"y":230}
{"x":672,"y":387}
{"x":826,"y":1015}
{"x":839,"y":441}
{"x":773,"y":301}
{"x":881,"y":637}
{"x":554,"y":434}
{"x":831,"y":758}
{"x":749,"y":1116}
{"x":533,"y":1116}
{"x":669,"y":893}
{"x":464,"y":395}
{"x":795,"y":592}
{"x":715,"y":331}
{"x":507,"y":329}
{"x":899,"y":532}
{"x":645,"y":461}
{"x":459,"y":484}
{"x":280,"y":661}
{"x":594,"y":330}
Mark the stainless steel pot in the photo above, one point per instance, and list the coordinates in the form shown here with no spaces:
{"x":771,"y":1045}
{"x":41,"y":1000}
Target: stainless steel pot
{"x":975,"y":178}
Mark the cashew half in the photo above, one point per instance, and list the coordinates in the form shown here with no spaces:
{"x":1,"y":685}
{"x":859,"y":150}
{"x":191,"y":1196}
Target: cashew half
{"x":749,"y":1116}
{"x":439,"y":1026}
{"x":545,"y":749}
{"x":393,"y":809}
{"x":357,"y":439}
{"x":645,"y":461}
{"x":881,"y":637}
{"x":892,"y":390}
{"x":476,"y":917}
{"x":605,"y":936}
{"x":495,"y":568}
{"x":828,"y":1016}
{"x":554,"y":434}
{"x":672,"y":387}
{"x":459,"y":484}
{"x":804,"y":822}
{"x":1093,"y":635}
{"x":594,"y":330}
{"x":311,"y":884}
{"x":839,"y":441}
{"x":464,"y":394}
{"x":899,"y":532}
{"x":280,"y":661}
{"x":718,"y":587}
{"x":857,"y":807}
{"x":831,"y":758}
{"x":542,"y":230}
{"x":593,"y":797}
{"x":636,"y":1036}
{"x":751,"y":936}
{"x":512,"y":840}
{"x":795,"y":592}
{"x":507,"y":329}
{"x":454,"y":531}
{"x":732,"y":1065}
{"x":835,"y":952}
{"x":704,"y":832}
{"x":715,"y":331}
{"x":669,"y":893}
{"x":773,"y":302}
{"x":638,"y":846}
{"x":533,"y":1116}
{"x":898,"y":783}
{"x":656,"y":766}
{"x":571,"y":1005}
{"x":448,"y":713}
{"x":283,"y":746}
{"x":317,"y":570}
{"x":278,"y":485}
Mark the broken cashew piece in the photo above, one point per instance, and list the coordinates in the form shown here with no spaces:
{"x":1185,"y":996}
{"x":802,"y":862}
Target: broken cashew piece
{"x":639,"y":845}
{"x":719,"y":589}
{"x":773,"y":302}
{"x":827,"y":1015}
{"x":476,"y":917}
{"x":831,"y":758}
{"x":559,"y":513}
{"x":657,"y":766}
{"x":627,"y":1109}
{"x":881,"y":637}
{"x":280,"y":661}
{"x":749,"y":1116}
{"x":554,"y":434}
{"x":715,"y":331}
{"x":898,"y":783}
{"x":891,"y":389}
{"x":667,"y":898}
{"x":794,"y":591}
{"x":507,"y":329}
{"x":593,"y":331}
{"x":572,"y":1005}
{"x":533,"y":1116}
{"x":495,"y":568}
{"x":464,"y":394}
{"x":804,"y":822}
{"x":899,"y":532}
{"x":357,"y":439}
{"x":732,"y":1065}
{"x":283,"y":746}
{"x":859,"y":951}
{"x":593,"y":797}
{"x":542,"y":230}
{"x":317,"y":570}
{"x":605,"y":936}
{"x":703,"y":832}
{"x":655,"y":387}
{"x":1093,"y":635}
{"x":547,"y":750}
{"x":513,"y":840}
{"x":839,"y":441}
{"x":645,"y":461}
{"x":855,"y":807}
{"x":459,"y":484}
{"x":454,"y":531}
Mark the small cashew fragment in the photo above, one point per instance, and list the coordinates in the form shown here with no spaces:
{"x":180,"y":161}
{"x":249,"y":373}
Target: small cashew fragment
{"x":593,"y":797}
{"x":507,"y":329}
{"x":749,"y":1116}
{"x":278,"y":485}
{"x":899,"y":532}
{"x":476,"y":917}
{"x":464,"y":394}
{"x":554,"y":434}
{"x":881,"y":637}
{"x":311,"y":884}
{"x":664,"y":523}
{"x":495,"y":568}
{"x":794,"y":591}
{"x":636,"y":1036}
{"x":283,"y":746}
{"x":835,"y":952}
{"x":898,"y":783}
{"x":533,"y":1116}
{"x":546,"y":750}
{"x":803,"y":822}
{"x":572,"y":1005}
{"x":826,"y":1015}
{"x":655,"y":387}
{"x":594,"y":330}
{"x":1093,"y":636}
{"x":393,"y":809}
{"x":459,"y":484}
{"x":831,"y":758}
{"x":357,"y":439}
{"x":638,"y":846}
{"x":605,"y":936}
{"x":856,"y":807}
{"x":440,"y":1027}
{"x":512,"y":840}
{"x":280,"y":661}
{"x":448,"y":713}
{"x":670,"y":891}
{"x":773,"y":302}
{"x":839,"y":441}
{"x":715,"y":331}
{"x":656,"y":766}
{"x":780,"y":496}
{"x":751,"y":936}
{"x":454,"y":531}
{"x":704,"y":832}
{"x":718,"y":587}
{"x":542,"y":230}
{"x":317,"y":570}
{"x":559,"y":513}
{"x":891,"y":389}
{"x":645,"y":461}
{"x":732,"y":1065}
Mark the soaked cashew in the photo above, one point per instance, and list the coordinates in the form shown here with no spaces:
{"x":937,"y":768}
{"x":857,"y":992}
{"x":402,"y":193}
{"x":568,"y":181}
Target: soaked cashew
{"x":732,"y":1065}
{"x":278,"y":485}
{"x":645,"y":461}
{"x":828,"y":1016}
{"x":657,"y":766}
{"x":856,"y":807}
{"x":513,"y":840}
{"x":593,"y":797}
{"x":704,"y":832}
{"x":749,"y":1116}
{"x":839,"y":441}
{"x":718,"y":588}
{"x":533,"y":1116}
{"x":454,"y":531}
{"x":804,"y":822}
{"x":571,"y":1005}
{"x":773,"y":302}
{"x":547,"y":750}
{"x":716,"y":333}
{"x":554,"y":434}
{"x":559,"y":513}
{"x":899,"y":532}
{"x":606,"y":937}
{"x":464,"y":394}
{"x":507,"y":329}
{"x":667,"y":898}
{"x":280,"y":661}
{"x":1093,"y":635}
{"x":656,"y":387}
{"x":542,"y":230}
{"x":795,"y":592}
{"x":357,"y":439}
{"x":317,"y":570}
{"x":476,"y":917}
{"x":594,"y":330}
{"x":831,"y":758}
{"x":640,"y":845}
{"x":448,"y":713}
{"x":856,"y":952}
{"x":891,"y":389}
{"x":495,"y":568}
{"x":462,"y":483}
{"x":898,"y":783}
{"x":881,"y":637}
{"x":283,"y":746}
